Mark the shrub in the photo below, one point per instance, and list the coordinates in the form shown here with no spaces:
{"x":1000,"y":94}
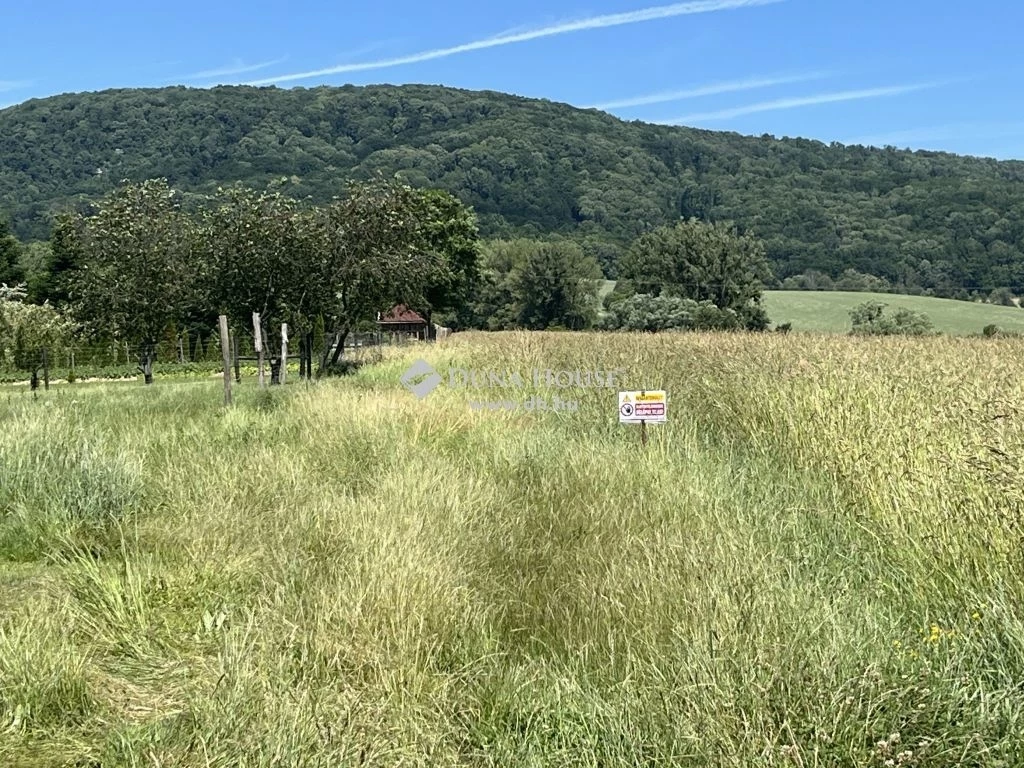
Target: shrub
{"x":1003,"y":297}
{"x":266,"y":400}
{"x":643,"y":312}
{"x":27,"y":330}
{"x":343,"y":367}
{"x":852,"y":280}
{"x":812,"y":280}
{"x":870,"y":319}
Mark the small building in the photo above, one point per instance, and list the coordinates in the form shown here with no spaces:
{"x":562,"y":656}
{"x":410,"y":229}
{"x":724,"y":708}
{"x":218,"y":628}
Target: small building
{"x":402,"y":324}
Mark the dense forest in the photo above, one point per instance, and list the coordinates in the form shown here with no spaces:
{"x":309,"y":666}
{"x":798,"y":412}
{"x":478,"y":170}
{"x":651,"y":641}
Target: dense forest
{"x":923,"y":221}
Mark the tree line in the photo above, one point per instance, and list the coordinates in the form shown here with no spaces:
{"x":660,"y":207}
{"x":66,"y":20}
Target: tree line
{"x":147,"y":262}
{"x":145,"y":259}
{"x":924,"y":222}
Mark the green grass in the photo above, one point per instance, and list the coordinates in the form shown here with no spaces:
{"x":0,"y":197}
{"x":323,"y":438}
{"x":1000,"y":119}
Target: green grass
{"x":829,"y":311}
{"x":816,"y":562}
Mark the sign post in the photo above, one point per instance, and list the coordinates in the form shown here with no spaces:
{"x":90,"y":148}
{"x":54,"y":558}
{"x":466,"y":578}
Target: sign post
{"x":642,"y":407}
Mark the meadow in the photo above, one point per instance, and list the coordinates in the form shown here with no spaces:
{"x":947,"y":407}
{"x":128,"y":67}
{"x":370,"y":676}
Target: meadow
{"x":829,"y":311}
{"x":816,"y":562}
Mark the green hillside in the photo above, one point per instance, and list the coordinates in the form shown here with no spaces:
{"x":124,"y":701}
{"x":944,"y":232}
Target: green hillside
{"x":829,"y":311}
{"x":533,"y":168}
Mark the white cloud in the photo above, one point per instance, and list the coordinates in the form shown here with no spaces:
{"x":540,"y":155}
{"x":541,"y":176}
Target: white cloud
{"x":564,"y":28}
{"x":13,"y":85}
{"x":800,"y":101}
{"x":711,"y":89}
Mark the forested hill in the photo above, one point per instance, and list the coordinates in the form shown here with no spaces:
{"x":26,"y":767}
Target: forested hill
{"x":532,"y":167}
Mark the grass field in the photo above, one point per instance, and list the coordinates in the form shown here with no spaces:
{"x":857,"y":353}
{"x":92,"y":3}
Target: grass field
{"x":817,"y":562}
{"x":829,"y":311}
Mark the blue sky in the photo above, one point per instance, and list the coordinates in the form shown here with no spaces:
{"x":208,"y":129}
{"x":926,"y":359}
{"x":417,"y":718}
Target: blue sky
{"x":933,"y":75}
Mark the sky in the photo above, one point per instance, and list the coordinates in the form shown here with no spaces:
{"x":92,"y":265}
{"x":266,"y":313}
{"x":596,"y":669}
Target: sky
{"x":932,"y":74}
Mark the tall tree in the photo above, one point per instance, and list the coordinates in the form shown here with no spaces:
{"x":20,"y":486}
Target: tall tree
{"x":138,"y":257}
{"x":537,"y":285}
{"x":258,"y":260}
{"x":448,"y":231}
{"x":65,"y":260}
{"x":370,"y":255}
{"x":703,"y":262}
{"x":10,"y":257}
{"x":36,"y":259}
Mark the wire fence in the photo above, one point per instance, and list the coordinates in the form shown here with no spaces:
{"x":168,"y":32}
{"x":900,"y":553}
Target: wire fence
{"x":190,"y":354}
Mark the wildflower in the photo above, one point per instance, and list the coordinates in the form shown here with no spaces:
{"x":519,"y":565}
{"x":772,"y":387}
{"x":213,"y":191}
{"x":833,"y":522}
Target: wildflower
{"x":976,"y":616}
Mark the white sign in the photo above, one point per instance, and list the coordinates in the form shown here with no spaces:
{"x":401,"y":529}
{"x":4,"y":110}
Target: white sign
{"x":638,"y":407}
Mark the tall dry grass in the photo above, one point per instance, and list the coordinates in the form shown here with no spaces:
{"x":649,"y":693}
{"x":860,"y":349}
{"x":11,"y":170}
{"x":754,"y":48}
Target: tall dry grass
{"x":816,"y":562}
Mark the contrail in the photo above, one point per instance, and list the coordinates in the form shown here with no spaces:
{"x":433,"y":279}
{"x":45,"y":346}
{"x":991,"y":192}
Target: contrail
{"x":804,"y":101}
{"x":237,"y":69}
{"x":709,"y":90}
{"x":946,"y":132}
{"x":594,"y":22}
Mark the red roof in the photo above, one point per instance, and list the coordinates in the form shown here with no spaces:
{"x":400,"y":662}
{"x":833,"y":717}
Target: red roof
{"x":401,"y":314}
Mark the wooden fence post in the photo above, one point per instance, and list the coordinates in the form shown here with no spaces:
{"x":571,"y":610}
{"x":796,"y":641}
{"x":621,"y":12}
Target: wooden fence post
{"x":234,"y":354}
{"x":46,"y":370}
{"x":258,"y":334}
{"x":284,"y":352}
{"x":225,"y":351}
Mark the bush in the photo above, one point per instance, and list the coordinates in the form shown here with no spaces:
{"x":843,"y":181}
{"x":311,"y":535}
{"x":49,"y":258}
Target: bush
{"x":343,"y":367}
{"x":1003,"y":297}
{"x":812,"y":280}
{"x":869,"y":319}
{"x":852,"y":280}
{"x":643,"y":312}
{"x":994,"y":330}
{"x":266,"y":400}
{"x":26,"y":329}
